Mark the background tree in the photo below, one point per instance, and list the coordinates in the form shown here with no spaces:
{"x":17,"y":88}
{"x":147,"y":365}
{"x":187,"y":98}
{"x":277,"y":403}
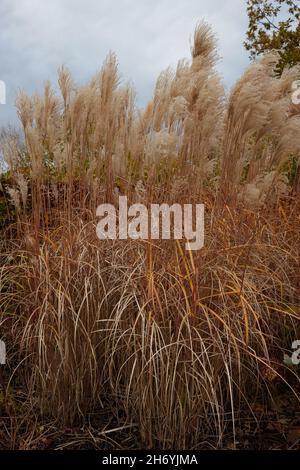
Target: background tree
{"x":274,"y":25}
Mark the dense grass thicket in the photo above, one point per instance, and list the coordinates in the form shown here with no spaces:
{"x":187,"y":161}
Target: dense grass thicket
{"x":174,"y":347}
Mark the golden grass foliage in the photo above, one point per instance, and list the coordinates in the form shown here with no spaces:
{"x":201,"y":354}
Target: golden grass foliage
{"x":179,"y":343}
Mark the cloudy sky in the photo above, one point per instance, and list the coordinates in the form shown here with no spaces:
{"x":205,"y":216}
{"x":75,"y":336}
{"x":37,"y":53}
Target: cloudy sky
{"x":37,"y":36}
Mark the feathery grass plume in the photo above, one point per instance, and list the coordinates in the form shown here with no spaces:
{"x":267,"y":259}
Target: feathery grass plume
{"x":25,"y":110}
{"x":12,"y":150}
{"x":88,"y":131}
{"x":66,"y":85}
{"x":188,"y":105}
{"x":247,"y":114}
{"x":204,"y":45}
{"x":47,"y":119}
{"x":261,"y":124}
